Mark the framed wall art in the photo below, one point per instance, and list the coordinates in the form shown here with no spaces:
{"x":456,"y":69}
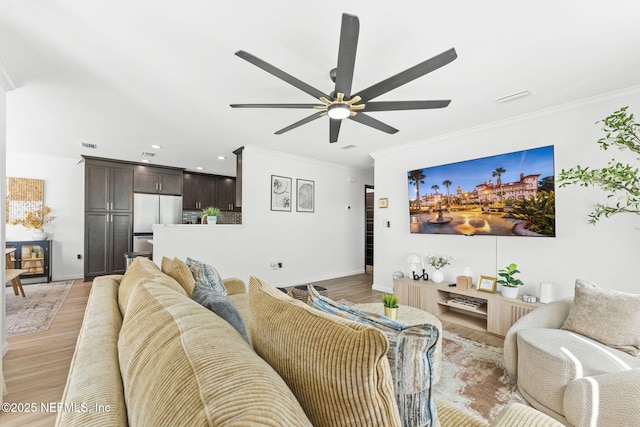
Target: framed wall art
{"x":383,"y":202}
{"x":280,"y":193}
{"x":305,"y":195}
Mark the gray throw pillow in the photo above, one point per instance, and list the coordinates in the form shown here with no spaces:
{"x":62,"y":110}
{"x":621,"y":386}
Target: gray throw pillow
{"x":607,"y":316}
{"x":206,"y":275}
{"x":220,"y":305}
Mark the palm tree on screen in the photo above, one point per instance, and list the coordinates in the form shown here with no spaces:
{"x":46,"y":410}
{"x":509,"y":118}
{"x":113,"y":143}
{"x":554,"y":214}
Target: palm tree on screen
{"x":447,"y":184}
{"x":498,"y":172}
{"x":416,"y":178}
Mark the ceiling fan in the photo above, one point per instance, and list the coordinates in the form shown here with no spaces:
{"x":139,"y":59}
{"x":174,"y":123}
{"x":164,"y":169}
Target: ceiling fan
{"x":341,"y":103}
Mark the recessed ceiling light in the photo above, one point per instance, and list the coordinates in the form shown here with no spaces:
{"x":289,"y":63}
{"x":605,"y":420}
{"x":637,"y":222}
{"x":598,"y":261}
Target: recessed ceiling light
{"x":222,"y":158}
{"x":156,"y":146}
{"x":199,"y":168}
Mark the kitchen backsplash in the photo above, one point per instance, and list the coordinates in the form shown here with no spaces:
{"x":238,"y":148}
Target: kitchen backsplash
{"x":193,"y":217}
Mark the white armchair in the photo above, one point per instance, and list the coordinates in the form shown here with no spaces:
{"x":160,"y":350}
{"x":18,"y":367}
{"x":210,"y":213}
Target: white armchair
{"x":577,"y":380}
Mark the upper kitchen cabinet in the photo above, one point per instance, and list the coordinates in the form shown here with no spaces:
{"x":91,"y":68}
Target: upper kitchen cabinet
{"x":202,"y":190}
{"x":225,"y":193}
{"x":199,"y":190}
{"x":157,"y":180}
{"x":108,"y":187}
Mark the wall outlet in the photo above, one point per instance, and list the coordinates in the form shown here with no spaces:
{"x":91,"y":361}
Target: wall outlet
{"x":276,"y":265}
{"x":79,"y":256}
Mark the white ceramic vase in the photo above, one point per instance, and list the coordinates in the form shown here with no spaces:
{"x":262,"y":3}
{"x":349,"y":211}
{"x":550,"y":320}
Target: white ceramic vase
{"x":510,"y":292}
{"x":212,"y":219}
{"x":39,"y":234}
{"x":437,"y":276}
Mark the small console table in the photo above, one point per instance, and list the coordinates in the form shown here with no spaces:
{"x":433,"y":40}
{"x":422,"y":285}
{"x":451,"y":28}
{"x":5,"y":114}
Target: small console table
{"x":33,"y":257}
{"x":482,"y":311}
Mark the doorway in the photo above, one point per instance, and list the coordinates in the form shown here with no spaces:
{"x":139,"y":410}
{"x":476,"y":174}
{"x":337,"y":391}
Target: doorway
{"x":369,"y":211}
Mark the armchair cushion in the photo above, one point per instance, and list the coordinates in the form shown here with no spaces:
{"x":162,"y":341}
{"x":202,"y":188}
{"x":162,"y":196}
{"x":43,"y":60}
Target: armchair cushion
{"x":607,"y":316}
{"x":411,"y":350}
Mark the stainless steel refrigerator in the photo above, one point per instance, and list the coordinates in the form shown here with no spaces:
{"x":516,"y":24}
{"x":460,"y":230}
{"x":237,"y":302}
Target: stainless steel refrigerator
{"x":149,"y":209}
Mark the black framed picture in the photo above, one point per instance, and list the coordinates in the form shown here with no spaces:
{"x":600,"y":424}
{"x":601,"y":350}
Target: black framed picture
{"x":305,"y":195}
{"x":280,"y":193}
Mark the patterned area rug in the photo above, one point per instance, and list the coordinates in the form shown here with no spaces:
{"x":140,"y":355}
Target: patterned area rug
{"x":34,"y":312}
{"x":474,"y":379}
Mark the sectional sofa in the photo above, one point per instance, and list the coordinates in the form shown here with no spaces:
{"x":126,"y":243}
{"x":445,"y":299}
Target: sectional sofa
{"x":149,"y":355}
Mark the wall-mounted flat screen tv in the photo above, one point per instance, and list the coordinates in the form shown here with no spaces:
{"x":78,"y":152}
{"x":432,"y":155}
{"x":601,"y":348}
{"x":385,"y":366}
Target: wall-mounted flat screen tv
{"x":510,"y":194}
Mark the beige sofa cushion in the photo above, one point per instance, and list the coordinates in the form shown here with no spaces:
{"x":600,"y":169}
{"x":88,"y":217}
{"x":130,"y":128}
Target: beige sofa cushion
{"x":143,"y":270}
{"x":184,"y":366}
{"x":179,"y":270}
{"x":337,"y":369}
{"x":607,"y":316}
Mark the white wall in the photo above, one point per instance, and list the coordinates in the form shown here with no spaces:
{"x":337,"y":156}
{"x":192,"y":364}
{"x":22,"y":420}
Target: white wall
{"x":606,"y":253}
{"x":314,"y":246}
{"x":64,"y":194}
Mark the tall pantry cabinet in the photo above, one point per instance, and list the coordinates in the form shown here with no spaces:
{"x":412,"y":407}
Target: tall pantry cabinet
{"x":108,"y":217}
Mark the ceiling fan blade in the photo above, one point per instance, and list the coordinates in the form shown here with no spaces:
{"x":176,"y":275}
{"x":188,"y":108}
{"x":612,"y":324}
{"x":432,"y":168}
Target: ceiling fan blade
{"x":334,"y":129}
{"x":408,"y":75}
{"x":300,"y":122}
{"x":406,"y":105}
{"x":281,"y":74}
{"x":347,"y":53}
{"x":273,"y":105}
{"x":374,"y":123}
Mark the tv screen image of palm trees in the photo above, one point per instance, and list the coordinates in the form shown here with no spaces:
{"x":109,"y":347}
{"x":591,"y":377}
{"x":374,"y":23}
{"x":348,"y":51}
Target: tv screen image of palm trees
{"x":511,"y":194}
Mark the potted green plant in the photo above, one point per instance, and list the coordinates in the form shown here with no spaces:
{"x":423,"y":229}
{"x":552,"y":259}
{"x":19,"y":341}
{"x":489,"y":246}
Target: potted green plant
{"x":509,"y":282}
{"x":211,"y":213}
{"x":390,"y":303}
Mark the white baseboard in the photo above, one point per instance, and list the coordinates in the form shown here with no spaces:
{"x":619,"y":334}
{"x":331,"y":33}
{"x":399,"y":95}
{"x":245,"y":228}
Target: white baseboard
{"x":382,"y":289}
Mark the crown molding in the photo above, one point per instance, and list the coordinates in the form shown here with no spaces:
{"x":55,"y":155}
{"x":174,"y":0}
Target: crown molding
{"x":7,"y":81}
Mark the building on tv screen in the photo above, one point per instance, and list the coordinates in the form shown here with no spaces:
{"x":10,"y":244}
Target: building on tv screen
{"x":510,"y":194}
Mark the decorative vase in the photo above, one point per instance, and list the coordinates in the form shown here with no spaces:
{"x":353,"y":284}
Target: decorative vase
{"x":212,"y":219}
{"x":391,"y":313}
{"x":39,"y":234}
{"x":437,"y":276}
{"x":509,"y":292}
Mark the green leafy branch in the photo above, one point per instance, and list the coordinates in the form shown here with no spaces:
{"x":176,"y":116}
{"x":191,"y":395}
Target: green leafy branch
{"x":621,"y":181}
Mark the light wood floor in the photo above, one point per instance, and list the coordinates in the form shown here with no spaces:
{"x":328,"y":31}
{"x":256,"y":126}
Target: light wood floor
{"x":36,"y":365}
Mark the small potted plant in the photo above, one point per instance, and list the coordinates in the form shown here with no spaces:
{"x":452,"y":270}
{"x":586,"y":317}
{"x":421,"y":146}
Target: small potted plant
{"x":211,"y":213}
{"x":390,"y":303}
{"x":508,"y":281}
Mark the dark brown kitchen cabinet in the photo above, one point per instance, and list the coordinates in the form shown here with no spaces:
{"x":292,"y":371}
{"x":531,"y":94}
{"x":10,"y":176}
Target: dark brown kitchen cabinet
{"x":199,"y":190}
{"x":108,"y":188}
{"x":225,"y":193}
{"x":108,"y":216}
{"x":202,"y":190}
{"x":157,"y":180}
{"x":108,"y":236}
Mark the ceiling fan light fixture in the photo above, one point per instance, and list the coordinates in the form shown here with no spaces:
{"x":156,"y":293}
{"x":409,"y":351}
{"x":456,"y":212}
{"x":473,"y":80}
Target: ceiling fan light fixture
{"x":338,"y":111}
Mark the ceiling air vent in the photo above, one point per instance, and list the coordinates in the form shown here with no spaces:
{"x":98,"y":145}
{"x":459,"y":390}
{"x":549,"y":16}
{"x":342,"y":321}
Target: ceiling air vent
{"x":147,"y":154}
{"x":348,"y":147}
{"x":88,"y":145}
